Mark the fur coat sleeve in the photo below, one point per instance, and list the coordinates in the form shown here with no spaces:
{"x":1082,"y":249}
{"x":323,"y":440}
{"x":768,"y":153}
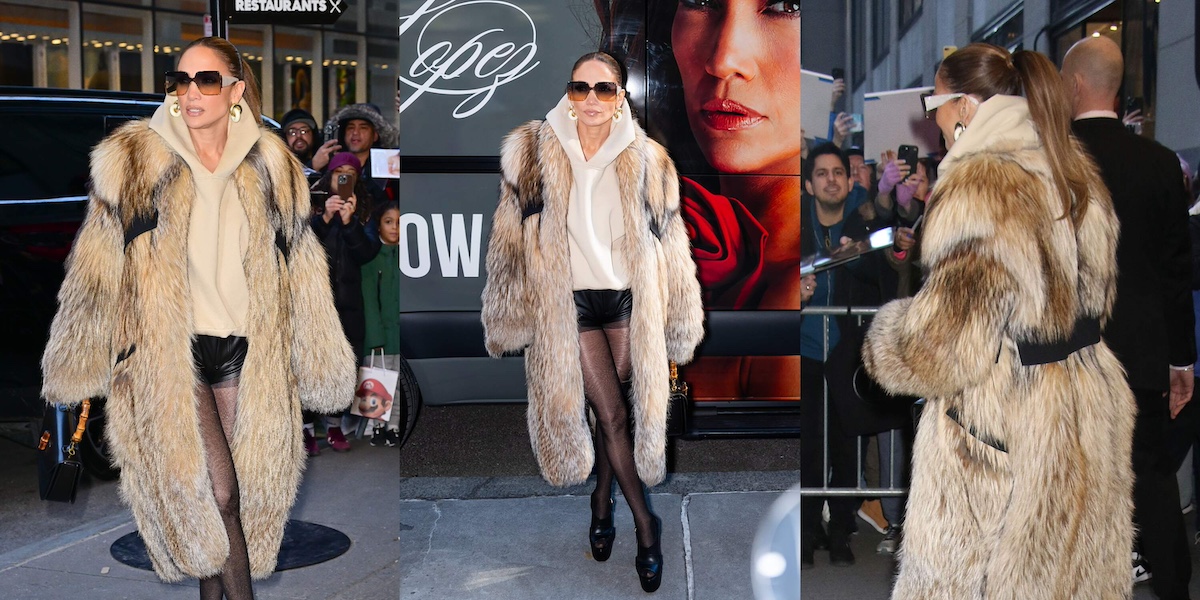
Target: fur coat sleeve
{"x":325,"y":373}
{"x":80,"y":366}
{"x":684,"y":312}
{"x":944,"y":339}
{"x":506,"y":322}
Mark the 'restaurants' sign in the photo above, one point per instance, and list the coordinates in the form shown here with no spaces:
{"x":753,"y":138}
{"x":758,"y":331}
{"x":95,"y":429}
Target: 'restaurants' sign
{"x":285,"y":12}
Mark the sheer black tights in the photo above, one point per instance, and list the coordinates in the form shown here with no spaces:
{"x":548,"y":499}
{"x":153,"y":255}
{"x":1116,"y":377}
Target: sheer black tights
{"x":217,"y":409}
{"x":604,"y":355}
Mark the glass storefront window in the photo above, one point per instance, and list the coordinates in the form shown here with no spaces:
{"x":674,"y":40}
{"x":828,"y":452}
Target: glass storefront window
{"x":343,"y":57}
{"x":113,"y":44}
{"x":296,"y":53}
{"x":383,"y":57}
{"x":33,"y":44}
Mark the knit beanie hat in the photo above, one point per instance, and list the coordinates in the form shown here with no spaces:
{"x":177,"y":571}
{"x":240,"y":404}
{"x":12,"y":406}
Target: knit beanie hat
{"x":344,"y":158}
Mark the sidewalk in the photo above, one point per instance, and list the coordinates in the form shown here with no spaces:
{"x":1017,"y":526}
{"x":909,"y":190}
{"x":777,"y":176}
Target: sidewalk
{"x":355,"y":493}
{"x":518,"y":538}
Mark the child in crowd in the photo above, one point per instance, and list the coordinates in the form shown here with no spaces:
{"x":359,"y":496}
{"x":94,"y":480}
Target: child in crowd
{"x":381,"y":308}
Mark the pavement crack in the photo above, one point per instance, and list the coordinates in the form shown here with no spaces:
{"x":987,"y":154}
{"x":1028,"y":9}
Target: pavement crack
{"x":432,"y":530}
{"x":687,"y":545}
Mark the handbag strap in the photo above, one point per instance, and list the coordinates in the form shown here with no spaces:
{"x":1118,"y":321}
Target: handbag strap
{"x":677,"y":386}
{"x":75,"y":437}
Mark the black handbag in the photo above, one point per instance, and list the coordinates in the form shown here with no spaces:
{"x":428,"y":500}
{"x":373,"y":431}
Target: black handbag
{"x":678,"y":405}
{"x":59,"y":463}
{"x":863,"y":407}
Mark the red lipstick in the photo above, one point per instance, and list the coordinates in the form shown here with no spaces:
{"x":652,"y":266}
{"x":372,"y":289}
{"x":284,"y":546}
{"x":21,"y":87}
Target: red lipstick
{"x":724,"y":114}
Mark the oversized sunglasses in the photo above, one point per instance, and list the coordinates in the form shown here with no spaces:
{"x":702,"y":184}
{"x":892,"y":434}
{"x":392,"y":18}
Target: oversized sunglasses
{"x":209,"y":82}
{"x":931,"y":102}
{"x":606,"y":91}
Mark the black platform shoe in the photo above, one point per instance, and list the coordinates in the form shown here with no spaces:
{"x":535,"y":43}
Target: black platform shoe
{"x":649,"y":561}
{"x":602,"y":534}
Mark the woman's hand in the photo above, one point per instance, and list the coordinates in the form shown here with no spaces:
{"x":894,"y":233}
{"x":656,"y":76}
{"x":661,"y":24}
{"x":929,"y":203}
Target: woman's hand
{"x":333,"y":205}
{"x":905,"y":239}
{"x":808,"y":287}
{"x":347,"y":210}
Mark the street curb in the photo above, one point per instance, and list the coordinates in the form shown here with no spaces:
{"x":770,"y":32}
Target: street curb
{"x":15,"y":558}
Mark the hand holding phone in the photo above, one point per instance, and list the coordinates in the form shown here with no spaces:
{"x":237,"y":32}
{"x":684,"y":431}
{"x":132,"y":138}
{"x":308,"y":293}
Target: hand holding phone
{"x":908,"y":154}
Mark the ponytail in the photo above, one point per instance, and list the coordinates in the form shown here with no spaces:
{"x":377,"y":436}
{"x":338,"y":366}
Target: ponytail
{"x":1044,"y":90}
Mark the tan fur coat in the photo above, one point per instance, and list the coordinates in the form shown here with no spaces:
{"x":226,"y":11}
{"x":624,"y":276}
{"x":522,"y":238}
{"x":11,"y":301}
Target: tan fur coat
{"x":528,"y":302}
{"x":123,"y":331}
{"x":1051,"y":517}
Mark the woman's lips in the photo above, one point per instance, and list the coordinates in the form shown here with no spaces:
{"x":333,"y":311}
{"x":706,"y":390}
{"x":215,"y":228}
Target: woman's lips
{"x":723,"y":114}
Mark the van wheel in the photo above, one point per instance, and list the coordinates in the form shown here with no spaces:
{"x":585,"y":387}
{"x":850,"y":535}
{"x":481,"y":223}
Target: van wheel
{"x":410,"y":401}
{"x":97,"y":459}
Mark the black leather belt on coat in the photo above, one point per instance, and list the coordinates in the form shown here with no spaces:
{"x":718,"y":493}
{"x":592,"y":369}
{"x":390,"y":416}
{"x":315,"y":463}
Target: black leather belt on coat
{"x":1086,"y":333}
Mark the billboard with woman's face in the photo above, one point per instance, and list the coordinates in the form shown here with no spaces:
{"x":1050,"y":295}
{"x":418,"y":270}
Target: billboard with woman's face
{"x":716,"y":82}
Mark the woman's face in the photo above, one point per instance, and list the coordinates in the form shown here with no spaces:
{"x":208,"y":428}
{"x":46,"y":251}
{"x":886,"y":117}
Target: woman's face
{"x":389,"y":227}
{"x":959,"y":110}
{"x":591,"y":111}
{"x":345,"y":170}
{"x":198,"y":110}
{"x":740,"y":65}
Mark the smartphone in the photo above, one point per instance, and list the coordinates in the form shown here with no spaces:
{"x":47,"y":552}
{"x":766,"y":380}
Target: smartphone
{"x":345,"y":185}
{"x":1132,"y":104}
{"x":908,"y":154}
{"x":838,"y":73}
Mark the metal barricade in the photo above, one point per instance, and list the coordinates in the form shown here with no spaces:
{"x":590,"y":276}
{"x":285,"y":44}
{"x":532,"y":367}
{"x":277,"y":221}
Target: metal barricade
{"x":892,"y":487}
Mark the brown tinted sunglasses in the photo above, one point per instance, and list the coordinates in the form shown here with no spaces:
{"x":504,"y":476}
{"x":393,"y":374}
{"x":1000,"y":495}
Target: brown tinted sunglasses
{"x":606,"y":91}
{"x":209,"y":82}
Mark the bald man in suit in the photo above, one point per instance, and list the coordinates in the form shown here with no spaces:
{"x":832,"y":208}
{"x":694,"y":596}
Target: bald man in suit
{"x":1151,"y":329}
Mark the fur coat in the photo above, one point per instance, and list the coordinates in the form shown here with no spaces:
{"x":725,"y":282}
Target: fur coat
{"x":1050,"y":517}
{"x":124,"y":327}
{"x":528,"y":301}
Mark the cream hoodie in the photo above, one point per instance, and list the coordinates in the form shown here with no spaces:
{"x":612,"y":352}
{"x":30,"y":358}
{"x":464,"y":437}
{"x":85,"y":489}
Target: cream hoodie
{"x":999,"y":120}
{"x":595,"y":219}
{"x":218,"y":231}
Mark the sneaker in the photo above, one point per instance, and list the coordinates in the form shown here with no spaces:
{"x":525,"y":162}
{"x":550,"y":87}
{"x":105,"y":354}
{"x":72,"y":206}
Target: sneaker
{"x":392,"y":438}
{"x":891,"y":541}
{"x":871,"y":511}
{"x":336,"y":439}
{"x":379,"y":436}
{"x":1141,"y":569}
{"x":310,"y":444}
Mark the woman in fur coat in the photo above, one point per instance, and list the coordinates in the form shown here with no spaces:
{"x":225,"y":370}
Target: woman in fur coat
{"x":590,"y":273}
{"x":197,"y":300}
{"x":1021,"y":473}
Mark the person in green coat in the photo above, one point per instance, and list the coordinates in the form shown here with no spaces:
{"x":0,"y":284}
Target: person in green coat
{"x":381,"y":309}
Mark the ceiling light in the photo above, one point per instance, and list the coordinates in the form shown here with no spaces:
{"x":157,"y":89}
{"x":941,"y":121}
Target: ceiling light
{"x":56,"y":41}
{"x":308,"y":62}
{"x":1097,"y":34}
{"x":1112,"y":27}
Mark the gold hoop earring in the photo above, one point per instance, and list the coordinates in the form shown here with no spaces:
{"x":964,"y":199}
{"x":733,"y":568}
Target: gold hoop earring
{"x":174,"y":110}
{"x":235,"y":112}
{"x":571,"y":113}
{"x":617,"y":116}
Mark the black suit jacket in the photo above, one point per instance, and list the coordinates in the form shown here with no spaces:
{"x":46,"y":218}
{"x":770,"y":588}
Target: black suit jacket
{"x":1152,"y":321}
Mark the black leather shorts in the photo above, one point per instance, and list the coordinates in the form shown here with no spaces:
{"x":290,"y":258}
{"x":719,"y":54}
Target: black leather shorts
{"x":598,"y":308}
{"x":219,"y":359}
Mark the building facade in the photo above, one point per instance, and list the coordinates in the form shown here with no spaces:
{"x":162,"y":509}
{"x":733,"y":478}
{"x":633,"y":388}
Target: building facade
{"x":128,"y":44}
{"x":895,"y":44}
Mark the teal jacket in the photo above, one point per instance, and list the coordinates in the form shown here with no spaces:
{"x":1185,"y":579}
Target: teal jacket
{"x":381,"y":301}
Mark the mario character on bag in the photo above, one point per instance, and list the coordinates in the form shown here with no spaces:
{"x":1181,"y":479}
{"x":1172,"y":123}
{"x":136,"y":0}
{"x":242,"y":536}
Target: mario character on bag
{"x":374,"y":400}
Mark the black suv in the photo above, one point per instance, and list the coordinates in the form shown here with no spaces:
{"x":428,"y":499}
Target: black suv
{"x":44,"y":146}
